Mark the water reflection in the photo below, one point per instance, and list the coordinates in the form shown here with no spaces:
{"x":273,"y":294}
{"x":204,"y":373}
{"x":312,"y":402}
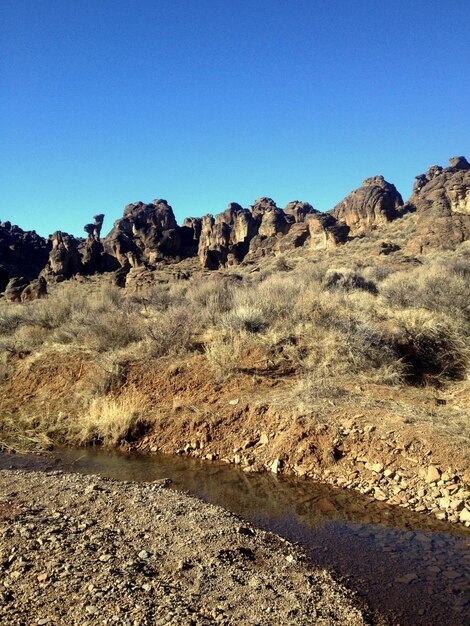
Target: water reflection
{"x":412,"y":566}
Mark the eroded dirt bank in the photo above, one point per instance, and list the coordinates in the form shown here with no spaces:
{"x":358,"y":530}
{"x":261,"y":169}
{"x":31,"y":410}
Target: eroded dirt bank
{"x":83,"y":550}
{"x":407,"y":447}
{"x":373,"y":439}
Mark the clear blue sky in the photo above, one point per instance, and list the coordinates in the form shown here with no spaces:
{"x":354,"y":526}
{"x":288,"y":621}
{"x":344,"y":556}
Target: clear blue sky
{"x":203,"y":102}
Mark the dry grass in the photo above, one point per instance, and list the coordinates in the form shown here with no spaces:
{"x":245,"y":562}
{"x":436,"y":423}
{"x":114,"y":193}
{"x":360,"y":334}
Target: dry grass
{"x":111,"y":420}
{"x":327,"y":325}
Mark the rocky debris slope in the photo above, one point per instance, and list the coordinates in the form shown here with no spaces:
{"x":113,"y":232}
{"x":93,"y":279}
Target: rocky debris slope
{"x":78,"y":550}
{"x":441,"y":199}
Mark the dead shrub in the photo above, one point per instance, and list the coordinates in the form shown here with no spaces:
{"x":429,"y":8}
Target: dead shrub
{"x":347,"y":280}
{"x":244,"y":317}
{"x":433,"y":347}
{"x":433,"y":287}
{"x":170,"y":332}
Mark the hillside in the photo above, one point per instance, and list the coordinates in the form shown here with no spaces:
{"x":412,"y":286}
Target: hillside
{"x":329,"y":345}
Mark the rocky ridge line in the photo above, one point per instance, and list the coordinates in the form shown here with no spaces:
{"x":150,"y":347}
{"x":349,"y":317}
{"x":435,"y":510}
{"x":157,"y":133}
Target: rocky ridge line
{"x":148,"y":234}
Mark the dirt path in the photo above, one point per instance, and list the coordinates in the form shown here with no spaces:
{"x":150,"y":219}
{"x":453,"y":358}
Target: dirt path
{"x":84,"y":550}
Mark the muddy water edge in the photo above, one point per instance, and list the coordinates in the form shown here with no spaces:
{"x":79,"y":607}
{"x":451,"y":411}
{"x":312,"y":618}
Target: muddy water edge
{"x":411,"y":567}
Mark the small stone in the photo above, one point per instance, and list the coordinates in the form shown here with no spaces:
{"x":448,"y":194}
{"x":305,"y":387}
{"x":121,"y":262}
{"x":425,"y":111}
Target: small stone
{"x":43,"y":621}
{"x":42,"y":577}
{"x":379,"y":494}
{"x":143,"y":554}
{"x":275,"y":466}
{"x":264,"y":439}
{"x":433,"y":474}
{"x":104,"y":558}
{"x":91,"y":609}
{"x":377,"y":468}
{"x":91,"y":488}
{"x":325,"y":505}
{"x":234,"y":402}
{"x":406,"y":579}
{"x":464,"y":515}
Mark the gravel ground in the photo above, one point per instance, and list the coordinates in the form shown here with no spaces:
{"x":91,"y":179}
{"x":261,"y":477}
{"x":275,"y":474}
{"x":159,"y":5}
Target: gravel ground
{"x":84,"y":550}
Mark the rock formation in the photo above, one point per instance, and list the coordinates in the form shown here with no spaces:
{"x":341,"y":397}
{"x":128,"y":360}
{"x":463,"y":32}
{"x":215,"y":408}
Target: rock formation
{"x":22,"y":254}
{"x":64,"y":258}
{"x":71,"y":255}
{"x":441,"y":199}
{"x":148,"y":234}
{"x":372,"y":205}
{"x":325,"y":231}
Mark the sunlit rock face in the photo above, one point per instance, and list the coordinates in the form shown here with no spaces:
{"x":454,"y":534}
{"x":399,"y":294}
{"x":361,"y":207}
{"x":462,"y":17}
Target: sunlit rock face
{"x":299,"y":210}
{"x":372,"y":205}
{"x":325,"y":231}
{"x":441,"y":199}
{"x":64,"y":259}
{"x":214,"y":243}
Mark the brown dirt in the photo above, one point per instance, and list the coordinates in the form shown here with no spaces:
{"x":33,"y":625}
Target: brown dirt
{"x":376,"y":439}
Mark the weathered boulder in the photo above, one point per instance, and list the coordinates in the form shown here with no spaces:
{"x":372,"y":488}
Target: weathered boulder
{"x":35,"y":290}
{"x":459,"y":163}
{"x":441,"y":199}
{"x":15,"y":288}
{"x":325,"y":231}
{"x":295,"y":238}
{"x":374,"y":204}
{"x":273,"y":219}
{"x":299,"y":210}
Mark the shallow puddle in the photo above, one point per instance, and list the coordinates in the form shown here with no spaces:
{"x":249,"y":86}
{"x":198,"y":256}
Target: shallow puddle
{"x":410,"y":566}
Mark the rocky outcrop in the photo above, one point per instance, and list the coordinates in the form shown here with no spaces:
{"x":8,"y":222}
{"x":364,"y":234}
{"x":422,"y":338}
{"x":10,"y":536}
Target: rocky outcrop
{"x":15,"y":288}
{"x":213,"y":243}
{"x":20,"y":290}
{"x":71,"y":255}
{"x":225,"y":238}
{"x":441,"y":199}
{"x":373,"y":205}
{"x":147,"y":234}
{"x":274,"y":225}
{"x":35,"y":290}
{"x":23,"y":254}
{"x":299,"y":210}
{"x":64,"y":259}
{"x":325,"y":231}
